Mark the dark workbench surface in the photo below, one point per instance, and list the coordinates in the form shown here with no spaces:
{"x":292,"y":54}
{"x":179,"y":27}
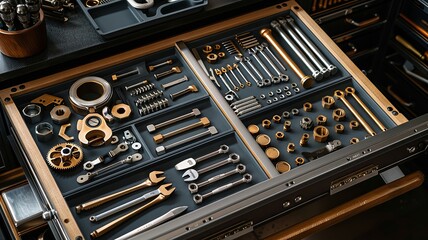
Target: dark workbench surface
{"x":76,"y":41}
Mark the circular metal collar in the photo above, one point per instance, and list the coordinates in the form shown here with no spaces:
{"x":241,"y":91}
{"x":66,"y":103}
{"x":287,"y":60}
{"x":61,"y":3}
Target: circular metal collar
{"x":90,"y":93}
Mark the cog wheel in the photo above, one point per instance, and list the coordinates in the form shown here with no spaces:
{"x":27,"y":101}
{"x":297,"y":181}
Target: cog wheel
{"x":64,"y":156}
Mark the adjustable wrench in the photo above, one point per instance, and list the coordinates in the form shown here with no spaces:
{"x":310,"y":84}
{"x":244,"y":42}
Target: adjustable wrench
{"x":89,"y":165}
{"x":192,"y":174}
{"x":194,"y":187}
{"x":190,"y":162}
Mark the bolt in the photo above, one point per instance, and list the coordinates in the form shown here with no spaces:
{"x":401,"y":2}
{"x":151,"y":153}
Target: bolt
{"x":153,"y":67}
{"x":175,"y":69}
{"x":189,"y":89}
{"x":115,"y":77}
{"x":136,"y":85}
{"x":175,"y":82}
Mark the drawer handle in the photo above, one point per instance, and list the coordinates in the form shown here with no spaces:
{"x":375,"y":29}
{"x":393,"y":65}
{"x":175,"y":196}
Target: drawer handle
{"x":398,"y":98}
{"x":364,"y":23}
{"x":353,"y":50}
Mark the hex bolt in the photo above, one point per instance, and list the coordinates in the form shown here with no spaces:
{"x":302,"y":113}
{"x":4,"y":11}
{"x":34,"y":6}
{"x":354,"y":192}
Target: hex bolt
{"x":315,"y":73}
{"x":330,"y":67}
{"x":203,"y":122}
{"x":153,"y":67}
{"x":189,"y":89}
{"x":153,"y":127}
{"x":236,"y":66}
{"x":265,"y":45}
{"x":224,"y":70}
{"x":136,"y":85}
{"x":175,"y":82}
{"x":173,"y":70}
{"x":323,"y":70}
{"x":230,"y":68}
{"x":242,"y":62}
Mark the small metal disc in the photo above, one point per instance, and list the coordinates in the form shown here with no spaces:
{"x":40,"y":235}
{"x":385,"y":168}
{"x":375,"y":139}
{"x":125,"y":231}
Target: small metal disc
{"x":253,"y":129}
{"x":282,"y":166}
{"x":136,"y":146}
{"x":263,"y":140}
{"x":272,"y":153}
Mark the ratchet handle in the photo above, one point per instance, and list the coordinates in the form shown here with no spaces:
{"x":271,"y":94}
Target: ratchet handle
{"x":102,"y":200}
{"x":106,"y":228}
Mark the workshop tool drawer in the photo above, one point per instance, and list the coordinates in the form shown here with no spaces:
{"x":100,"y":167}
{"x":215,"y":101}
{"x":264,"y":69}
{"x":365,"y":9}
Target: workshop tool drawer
{"x":281,"y":124}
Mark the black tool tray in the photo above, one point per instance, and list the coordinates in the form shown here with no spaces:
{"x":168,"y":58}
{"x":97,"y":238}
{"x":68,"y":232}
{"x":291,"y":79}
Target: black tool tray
{"x":112,"y":18}
{"x":210,"y":101}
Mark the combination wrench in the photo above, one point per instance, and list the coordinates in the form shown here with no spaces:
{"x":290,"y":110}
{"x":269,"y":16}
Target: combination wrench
{"x":194,"y":187}
{"x":190,"y":162}
{"x":192,"y":174}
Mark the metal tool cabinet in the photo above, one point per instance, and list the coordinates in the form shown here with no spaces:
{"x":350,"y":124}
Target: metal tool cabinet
{"x":236,"y":210}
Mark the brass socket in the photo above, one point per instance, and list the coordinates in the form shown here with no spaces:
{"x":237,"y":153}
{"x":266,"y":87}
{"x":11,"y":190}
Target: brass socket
{"x":276,"y":118}
{"x":307,"y":107}
{"x":339,"y":128}
{"x":299,"y":161}
{"x":304,"y":139}
{"x":287,"y":126}
{"x":354,"y":124}
{"x":279,"y":135}
{"x":217,"y":47}
{"x":266,"y":123}
{"x":327,"y":102}
{"x":321,"y":134}
{"x":291,"y":147}
{"x":221,"y":54}
{"x":339,"y":114}
{"x":321,"y":120}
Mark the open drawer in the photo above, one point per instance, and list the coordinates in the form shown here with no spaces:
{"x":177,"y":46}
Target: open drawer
{"x":153,"y":117}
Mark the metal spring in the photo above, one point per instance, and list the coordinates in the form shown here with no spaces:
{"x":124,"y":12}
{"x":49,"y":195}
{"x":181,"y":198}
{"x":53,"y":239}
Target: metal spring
{"x":153,"y":107}
{"x":142,"y":89}
{"x":148,"y":97}
{"x":231,"y":47}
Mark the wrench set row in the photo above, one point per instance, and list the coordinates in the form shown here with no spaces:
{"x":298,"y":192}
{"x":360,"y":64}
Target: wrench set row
{"x":192,"y":174}
{"x":287,"y":136}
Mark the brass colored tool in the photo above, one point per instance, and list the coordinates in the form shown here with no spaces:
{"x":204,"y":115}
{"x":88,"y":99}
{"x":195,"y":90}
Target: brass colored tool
{"x":272,"y":153}
{"x":341,"y":95}
{"x":321,"y":134}
{"x":154,"y":178}
{"x":266,"y":123}
{"x":279,"y":135}
{"x":62,"y":133}
{"x":282,"y":166}
{"x":93,"y":126}
{"x":113,"y":224}
{"x":173,"y":70}
{"x":416,"y":26}
{"x":115,"y":77}
{"x":189,"y":89}
{"x":304,"y":139}
{"x":305,"y":80}
{"x":153,"y":67}
{"x":253,"y":129}
{"x":291,"y":147}
{"x":409,"y":46}
{"x":203,"y":122}
{"x":339,"y":128}
{"x":351,"y":91}
{"x":64,"y":156}
{"x":299,"y":161}
{"x":263,"y":140}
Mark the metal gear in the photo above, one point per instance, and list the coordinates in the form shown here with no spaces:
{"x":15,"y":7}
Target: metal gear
{"x":64,"y":156}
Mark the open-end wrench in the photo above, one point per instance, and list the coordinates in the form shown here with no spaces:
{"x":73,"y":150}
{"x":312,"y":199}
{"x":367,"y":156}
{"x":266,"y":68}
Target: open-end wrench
{"x":162,"y":149}
{"x":121,"y":147}
{"x":194,"y":187}
{"x":130,"y":159}
{"x":164,"y":188}
{"x":153,"y":127}
{"x":154,"y":178}
{"x":253,"y":53}
{"x":113,"y":224}
{"x":230,"y":68}
{"x":248,"y":83}
{"x":282,"y":76}
{"x":242,"y":62}
{"x":192,"y":174}
{"x":219,"y":73}
{"x":323,"y":70}
{"x":330,"y":67}
{"x":198,"y":198}
{"x":265,"y":45}
{"x":190,"y":162}
{"x":224,"y":71}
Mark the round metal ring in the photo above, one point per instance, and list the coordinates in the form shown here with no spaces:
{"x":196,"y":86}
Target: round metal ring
{"x":44,"y":131}
{"x":33,"y":113}
{"x":90,"y":93}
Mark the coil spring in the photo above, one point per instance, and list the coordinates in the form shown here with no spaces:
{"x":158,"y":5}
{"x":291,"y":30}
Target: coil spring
{"x":142,"y":89}
{"x":148,"y":97}
{"x":153,"y":107}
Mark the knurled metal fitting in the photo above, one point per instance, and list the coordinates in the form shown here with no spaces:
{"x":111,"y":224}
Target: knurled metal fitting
{"x":270,"y":94}
{"x":339,"y":128}
{"x":321,"y":120}
{"x":291,"y":147}
{"x":276,"y":118}
{"x":327,"y":102}
{"x":307,"y":107}
{"x":321,"y":134}
{"x":299,"y":161}
{"x":287,"y":126}
{"x":279,"y":135}
{"x":354,"y":124}
{"x":304,"y":139}
{"x":306,"y":123}
{"x":266,"y":123}
{"x":339,"y":114}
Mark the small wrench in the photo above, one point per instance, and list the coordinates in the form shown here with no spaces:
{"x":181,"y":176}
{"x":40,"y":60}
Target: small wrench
{"x":130,"y":159}
{"x":190,"y":162}
{"x":154,"y":178}
{"x":89,"y":165}
{"x":161,"y":190}
{"x":198,"y":198}
{"x":192,"y":174}
{"x":194,"y":187}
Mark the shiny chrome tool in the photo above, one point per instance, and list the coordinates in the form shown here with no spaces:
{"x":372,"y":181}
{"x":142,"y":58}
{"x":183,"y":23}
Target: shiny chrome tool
{"x":219,"y":73}
{"x":128,"y":160}
{"x":122,"y":147}
{"x":153,"y":127}
{"x":34,"y":9}
{"x":23,"y":15}
{"x":115,"y":223}
{"x":194,"y":187}
{"x":190,"y":162}
{"x":175,"y":82}
{"x":154,"y":178}
{"x":192,"y":174}
{"x":7,"y":14}
{"x":163,"y":189}
{"x":155,"y":222}
{"x":198,"y":198}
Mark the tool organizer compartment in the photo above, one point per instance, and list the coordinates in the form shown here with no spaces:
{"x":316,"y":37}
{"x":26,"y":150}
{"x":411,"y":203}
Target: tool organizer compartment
{"x":153,"y":112}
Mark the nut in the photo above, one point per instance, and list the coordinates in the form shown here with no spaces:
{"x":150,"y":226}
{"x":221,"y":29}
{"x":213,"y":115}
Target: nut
{"x":266,"y":123}
{"x":321,"y":120}
{"x":121,"y":111}
{"x":279,"y":135}
{"x":32,"y":112}
{"x":339,"y":114}
{"x":291,"y":147}
{"x":304,"y":139}
{"x":44,"y":131}
{"x":306,"y":123}
{"x":354,"y":140}
{"x":286,"y":114}
{"x":354,"y":124}
{"x":217,"y":47}
{"x":295,"y":111}
{"x":253,"y":129}
{"x":287,"y":126}
{"x":207,"y":49}
{"x":307,"y":107}
{"x":221,"y":54}
{"x":299,"y":161}
{"x":212,"y":58}
{"x":263,"y":140}
{"x":321,"y":134}
{"x":327,"y":102}
{"x":339,"y":128}
{"x":272,"y":153}
{"x":60,"y":114}
{"x":276,"y":118}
